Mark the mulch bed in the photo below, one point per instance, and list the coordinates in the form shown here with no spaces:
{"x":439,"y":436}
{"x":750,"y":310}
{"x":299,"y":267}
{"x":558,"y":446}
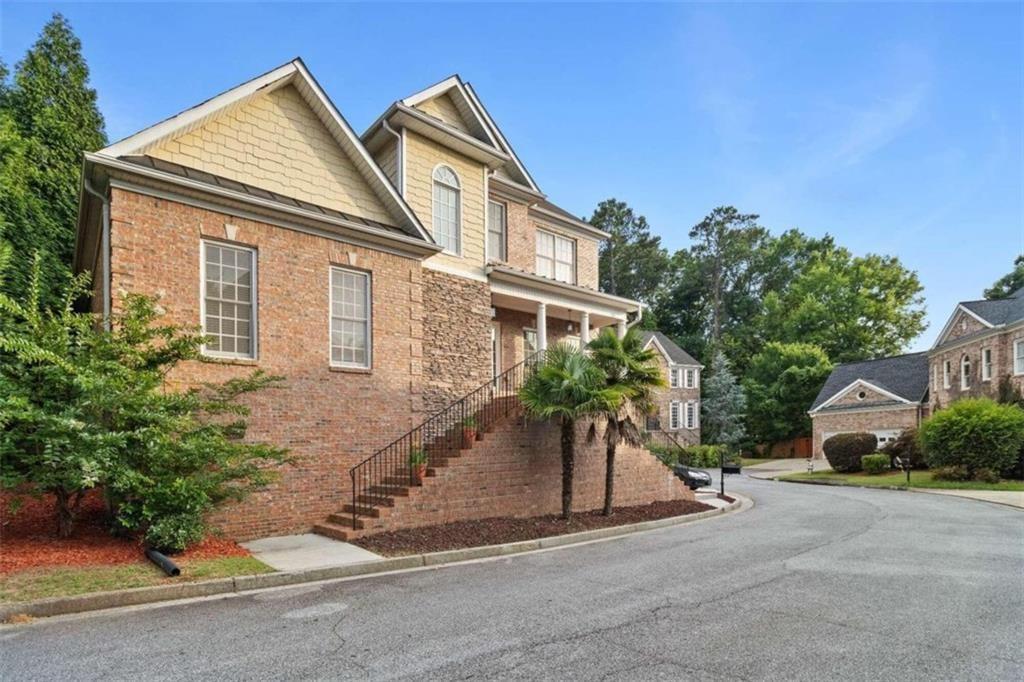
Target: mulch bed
{"x":498,"y":531}
{"x":28,"y":538}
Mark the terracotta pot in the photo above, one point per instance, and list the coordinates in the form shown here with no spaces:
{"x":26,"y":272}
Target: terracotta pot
{"x":468,"y":436}
{"x":419,"y":472}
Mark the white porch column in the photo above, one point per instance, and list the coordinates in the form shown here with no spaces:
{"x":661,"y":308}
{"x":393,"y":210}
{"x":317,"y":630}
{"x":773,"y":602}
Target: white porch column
{"x":584,"y":328}
{"x":621,"y":328}
{"x":542,"y":326}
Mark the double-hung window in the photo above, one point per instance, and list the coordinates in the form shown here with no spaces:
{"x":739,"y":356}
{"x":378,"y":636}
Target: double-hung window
{"x":496,"y":231}
{"x":691,"y":415}
{"x":986,"y":364}
{"x":965,"y":373}
{"x":674,"y":416}
{"x":229,"y":300}
{"x":946,"y":371}
{"x":1018,"y":356}
{"x":691,"y":378}
{"x":556,"y":257}
{"x":447,"y":209}
{"x":673,"y":378}
{"x":351,"y":318}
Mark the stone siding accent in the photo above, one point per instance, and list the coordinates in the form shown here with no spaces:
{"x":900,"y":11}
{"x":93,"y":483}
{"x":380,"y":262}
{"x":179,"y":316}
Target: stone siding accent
{"x":276,"y":142}
{"x":422,"y":156}
{"x":1002,"y":366}
{"x":516,"y":471}
{"x":866,"y":420}
{"x":330,"y":419}
{"x":457,"y":333}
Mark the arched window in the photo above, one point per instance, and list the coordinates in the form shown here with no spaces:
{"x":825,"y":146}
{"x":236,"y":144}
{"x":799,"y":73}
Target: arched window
{"x":447,"y":209}
{"x":965,"y":373}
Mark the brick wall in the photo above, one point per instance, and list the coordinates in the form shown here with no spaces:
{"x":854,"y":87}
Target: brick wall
{"x":1002,"y":366}
{"x":867,"y":420}
{"x":517,"y":471}
{"x":329,"y":419}
{"x":663,"y":400}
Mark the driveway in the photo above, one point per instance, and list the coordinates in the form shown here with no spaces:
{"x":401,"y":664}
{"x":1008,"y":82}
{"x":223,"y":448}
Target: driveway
{"x":813,"y":583}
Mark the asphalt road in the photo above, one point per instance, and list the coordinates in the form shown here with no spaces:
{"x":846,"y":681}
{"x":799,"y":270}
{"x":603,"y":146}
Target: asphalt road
{"x":813,"y":583}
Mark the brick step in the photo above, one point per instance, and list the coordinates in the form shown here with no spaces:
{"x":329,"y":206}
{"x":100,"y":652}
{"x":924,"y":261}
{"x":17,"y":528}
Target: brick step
{"x":346,"y":521}
{"x":377,"y":500}
{"x":335,"y":532}
{"x":397,"y":480}
{"x":346,"y":511}
{"x":389,"y":490}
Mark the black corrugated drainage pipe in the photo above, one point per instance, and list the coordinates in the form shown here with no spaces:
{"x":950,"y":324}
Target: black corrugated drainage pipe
{"x":168,"y":566}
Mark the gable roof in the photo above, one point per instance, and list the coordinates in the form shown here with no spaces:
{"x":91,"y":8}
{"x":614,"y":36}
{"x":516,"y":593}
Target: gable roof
{"x":293,"y":73}
{"x":674,"y":353}
{"x":903,"y":376}
{"x":991,"y":313}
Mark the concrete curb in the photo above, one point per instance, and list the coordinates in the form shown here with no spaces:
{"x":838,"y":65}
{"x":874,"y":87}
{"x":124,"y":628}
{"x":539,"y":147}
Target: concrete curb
{"x":229,"y":586}
{"x":923,"y":491}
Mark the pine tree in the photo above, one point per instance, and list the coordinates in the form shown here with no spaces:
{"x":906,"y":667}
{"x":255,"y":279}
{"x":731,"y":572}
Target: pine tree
{"x":48,"y":118}
{"x":723,"y":405}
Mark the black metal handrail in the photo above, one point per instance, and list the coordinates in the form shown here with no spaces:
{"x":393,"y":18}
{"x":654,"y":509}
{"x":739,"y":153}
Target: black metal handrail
{"x":403,"y":461}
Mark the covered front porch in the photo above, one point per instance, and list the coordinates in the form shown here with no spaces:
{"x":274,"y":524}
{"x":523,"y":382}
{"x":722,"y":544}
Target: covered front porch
{"x":530,"y":313}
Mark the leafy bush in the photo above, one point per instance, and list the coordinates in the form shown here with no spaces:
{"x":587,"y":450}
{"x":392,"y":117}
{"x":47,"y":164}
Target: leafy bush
{"x":875,"y":464}
{"x":82,"y":407}
{"x":951,"y":473}
{"x":843,"y":451}
{"x":975,"y":433}
{"x":986,"y":476}
{"x":906,"y":446}
{"x":702,"y":455}
{"x":667,"y":455}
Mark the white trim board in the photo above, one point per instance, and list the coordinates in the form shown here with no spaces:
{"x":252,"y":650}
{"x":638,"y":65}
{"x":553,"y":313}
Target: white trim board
{"x":866,"y":384}
{"x":960,"y":308}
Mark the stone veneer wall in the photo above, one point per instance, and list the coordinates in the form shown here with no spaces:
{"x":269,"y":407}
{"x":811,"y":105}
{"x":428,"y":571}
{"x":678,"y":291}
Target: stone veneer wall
{"x":516,"y":471}
{"x":457,"y":337}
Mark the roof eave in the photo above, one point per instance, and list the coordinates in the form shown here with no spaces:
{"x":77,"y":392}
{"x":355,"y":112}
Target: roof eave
{"x":503,"y":273}
{"x":579,"y":225}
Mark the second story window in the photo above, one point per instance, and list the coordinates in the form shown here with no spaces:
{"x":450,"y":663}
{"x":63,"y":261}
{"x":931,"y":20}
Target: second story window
{"x":229,"y":300}
{"x":673,"y":378}
{"x":556,"y":257}
{"x":691,"y":378}
{"x":447,"y":209}
{"x":497,"y":231}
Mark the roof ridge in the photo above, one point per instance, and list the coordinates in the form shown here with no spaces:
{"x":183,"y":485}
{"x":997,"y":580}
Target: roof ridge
{"x":887,"y":357}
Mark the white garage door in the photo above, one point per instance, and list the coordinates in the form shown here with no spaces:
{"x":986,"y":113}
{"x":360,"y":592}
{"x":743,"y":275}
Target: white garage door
{"x":884,"y":436}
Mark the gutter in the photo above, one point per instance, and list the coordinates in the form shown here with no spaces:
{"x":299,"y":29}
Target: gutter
{"x":104,"y":248}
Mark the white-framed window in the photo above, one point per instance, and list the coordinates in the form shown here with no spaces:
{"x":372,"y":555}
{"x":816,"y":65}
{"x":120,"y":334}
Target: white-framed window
{"x":1018,"y":356}
{"x":228,"y":300}
{"x":947,"y":369}
{"x":691,"y":378}
{"x":673,"y":378}
{"x":986,"y":364}
{"x":965,"y":373}
{"x":351,"y":318}
{"x":447,"y":209}
{"x":497,"y":231}
{"x":530,"y":341}
{"x":691,"y":415}
{"x":556,"y":257}
{"x":674,"y":415}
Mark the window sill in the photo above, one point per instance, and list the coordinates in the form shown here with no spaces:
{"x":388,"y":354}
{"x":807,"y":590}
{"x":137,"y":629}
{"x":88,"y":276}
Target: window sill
{"x":350,"y":370}
{"x":217,"y":360}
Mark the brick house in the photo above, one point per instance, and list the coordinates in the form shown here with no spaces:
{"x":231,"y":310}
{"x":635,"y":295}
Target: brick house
{"x":678,"y":406}
{"x":980,"y":346}
{"x":384,"y":275}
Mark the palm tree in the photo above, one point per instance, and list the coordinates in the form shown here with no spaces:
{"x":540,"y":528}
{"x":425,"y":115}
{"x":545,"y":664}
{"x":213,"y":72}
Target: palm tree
{"x":568,"y":386}
{"x":632,"y":371}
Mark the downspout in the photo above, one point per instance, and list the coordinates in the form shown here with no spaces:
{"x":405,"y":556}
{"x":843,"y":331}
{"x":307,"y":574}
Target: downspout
{"x":398,"y":155}
{"x":104,"y":249}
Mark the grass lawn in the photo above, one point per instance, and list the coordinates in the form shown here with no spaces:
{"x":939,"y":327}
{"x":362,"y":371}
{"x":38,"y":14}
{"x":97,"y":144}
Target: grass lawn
{"x":918,"y":479}
{"x":751,"y":461}
{"x":41,"y":583}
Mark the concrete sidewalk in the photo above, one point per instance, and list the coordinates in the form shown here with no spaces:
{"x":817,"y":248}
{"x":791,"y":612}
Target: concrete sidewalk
{"x":1010,"y":498}
{"x":781,"y":467}
{"x":307,"y":551}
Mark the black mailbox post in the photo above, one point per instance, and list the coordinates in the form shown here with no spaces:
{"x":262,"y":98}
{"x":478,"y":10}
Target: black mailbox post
{"x":729,"y":467}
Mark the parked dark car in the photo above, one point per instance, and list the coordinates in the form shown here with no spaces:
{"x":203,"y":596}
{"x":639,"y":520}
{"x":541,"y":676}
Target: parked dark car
{"x":693,"y":478}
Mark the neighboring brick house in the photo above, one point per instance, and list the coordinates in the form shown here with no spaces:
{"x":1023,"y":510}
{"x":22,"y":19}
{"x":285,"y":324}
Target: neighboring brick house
{"x":384,"y":276}
{"x":981,"y":345}
{"x":678,"y":405}
{"x":882,"y":397}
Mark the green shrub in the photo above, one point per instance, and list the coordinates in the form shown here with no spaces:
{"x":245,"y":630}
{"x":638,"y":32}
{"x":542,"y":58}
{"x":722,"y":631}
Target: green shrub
{"x":702,"y":455}
{"x":951,"y":473}
{"x":667,"y":455}
{"x":875,"y":464}
{"x":843,"y":451}
{"x":906,"y":446}
{"x":975,"y":433}
{"x":986,"y":476}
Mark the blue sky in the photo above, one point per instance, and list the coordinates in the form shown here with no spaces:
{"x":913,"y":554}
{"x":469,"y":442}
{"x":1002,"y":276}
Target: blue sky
{"x":896,"y":128}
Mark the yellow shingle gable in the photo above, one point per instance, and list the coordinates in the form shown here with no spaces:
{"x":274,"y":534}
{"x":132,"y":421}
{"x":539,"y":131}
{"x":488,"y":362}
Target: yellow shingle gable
{"x":276,"y":142}
{"x":442,"y":107}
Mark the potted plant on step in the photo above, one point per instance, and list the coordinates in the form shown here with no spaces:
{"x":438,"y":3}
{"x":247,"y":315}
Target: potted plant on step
{"x":418,"y":465}
{"x":468,"y":432}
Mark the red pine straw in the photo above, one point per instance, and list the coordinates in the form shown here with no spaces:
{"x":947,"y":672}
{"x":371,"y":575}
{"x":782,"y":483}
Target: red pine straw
{"x":28,"y":538}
